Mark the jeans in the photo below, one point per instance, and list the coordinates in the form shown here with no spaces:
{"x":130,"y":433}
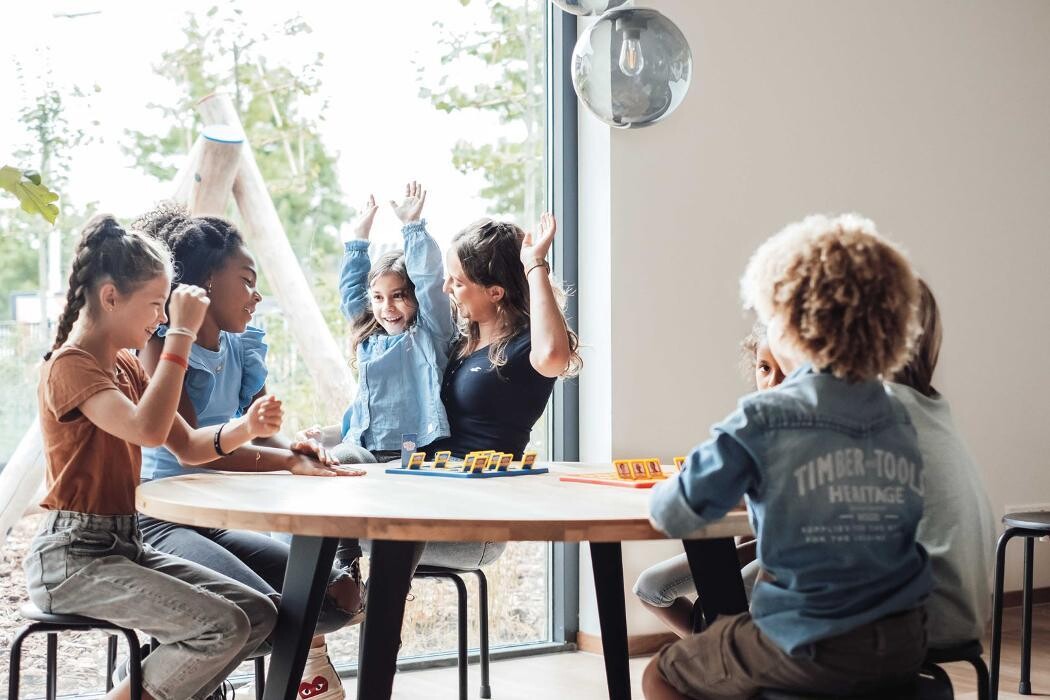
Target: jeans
{"x":251,"y":558}
{"x":98,"y":566}
{"x":662,"y":583}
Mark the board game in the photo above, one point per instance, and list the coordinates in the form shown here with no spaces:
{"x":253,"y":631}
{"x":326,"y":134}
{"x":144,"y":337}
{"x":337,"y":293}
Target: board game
{"x":483,"y":464}
{"x":629,"y":473}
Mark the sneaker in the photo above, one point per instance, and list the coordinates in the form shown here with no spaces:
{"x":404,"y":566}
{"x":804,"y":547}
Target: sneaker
{"x":320,"y":680}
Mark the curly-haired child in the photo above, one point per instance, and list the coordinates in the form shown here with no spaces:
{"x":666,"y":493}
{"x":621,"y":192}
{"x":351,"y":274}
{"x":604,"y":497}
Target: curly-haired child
{"x":832,"y":471}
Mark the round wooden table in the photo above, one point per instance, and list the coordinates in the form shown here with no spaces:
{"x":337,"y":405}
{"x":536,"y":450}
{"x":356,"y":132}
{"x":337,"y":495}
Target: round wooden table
{"x":398,"y":512}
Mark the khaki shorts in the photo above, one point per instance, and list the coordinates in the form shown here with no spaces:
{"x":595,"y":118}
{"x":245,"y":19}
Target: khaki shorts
{"x":733,"y":659}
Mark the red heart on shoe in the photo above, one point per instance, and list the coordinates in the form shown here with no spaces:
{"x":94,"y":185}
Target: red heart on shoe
{"x":315,"y":687}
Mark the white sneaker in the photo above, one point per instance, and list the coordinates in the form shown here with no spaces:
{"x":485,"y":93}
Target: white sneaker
{"x":320,"y":680}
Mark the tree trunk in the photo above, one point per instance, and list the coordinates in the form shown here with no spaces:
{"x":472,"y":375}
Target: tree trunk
{"x":269,"y":243}
{"x":215,"y":171}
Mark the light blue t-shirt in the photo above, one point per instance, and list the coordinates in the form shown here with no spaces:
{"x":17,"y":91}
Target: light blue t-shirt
{"x":220,"y":384}
{"x":834,"y":480}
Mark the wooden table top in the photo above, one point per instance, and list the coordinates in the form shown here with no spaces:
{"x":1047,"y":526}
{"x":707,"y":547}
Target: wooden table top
{"x":416,"y":508}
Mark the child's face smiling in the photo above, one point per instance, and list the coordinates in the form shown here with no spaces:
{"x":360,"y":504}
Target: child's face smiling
{"x":136,"y":315}
{"x":233,"y":292}
{"x":391,"y":303}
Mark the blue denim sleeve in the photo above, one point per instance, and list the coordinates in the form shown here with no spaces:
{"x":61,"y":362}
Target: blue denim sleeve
{"x":426,"y":270}
{"x":353,"y":279}
{"x":715,"y":477}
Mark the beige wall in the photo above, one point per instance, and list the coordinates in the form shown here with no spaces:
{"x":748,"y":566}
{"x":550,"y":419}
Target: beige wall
{"x":932,"y":118}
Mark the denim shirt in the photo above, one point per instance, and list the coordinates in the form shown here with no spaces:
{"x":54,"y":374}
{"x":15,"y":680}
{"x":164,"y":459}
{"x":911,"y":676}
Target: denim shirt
{"x":399,"y":376}
{"x":220,"y":384}
{"x":834,"y":479}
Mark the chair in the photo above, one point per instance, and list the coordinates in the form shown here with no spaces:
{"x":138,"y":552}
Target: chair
{"x":969,"y":652}
{"x":455,"y":575}
{"x":51,"y":624}
{"x":1029,"y":525}
{"x":922,"y":688}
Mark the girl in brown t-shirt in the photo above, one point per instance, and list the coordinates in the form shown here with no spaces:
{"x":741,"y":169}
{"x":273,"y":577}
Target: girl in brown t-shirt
{"x":97,"y":407}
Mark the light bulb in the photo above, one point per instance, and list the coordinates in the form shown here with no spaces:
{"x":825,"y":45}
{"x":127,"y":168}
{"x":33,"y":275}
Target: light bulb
{"x":631,"y":59}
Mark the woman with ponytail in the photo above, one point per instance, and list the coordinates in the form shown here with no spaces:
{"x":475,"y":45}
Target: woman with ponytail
{"x":98,"y":407}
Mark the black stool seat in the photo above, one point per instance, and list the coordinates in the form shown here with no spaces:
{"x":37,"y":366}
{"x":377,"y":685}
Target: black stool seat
{"x":967,"y":651}
{"x":1032,"y":520}
{"x":922,"y":688}
{"x":32,"y":612}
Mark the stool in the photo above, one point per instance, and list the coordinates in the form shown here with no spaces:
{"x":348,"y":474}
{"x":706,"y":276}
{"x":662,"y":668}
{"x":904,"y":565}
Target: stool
{"x":969,"y":652}
{"x":922,"y":688}
{"x":52,"y":624}
{"x":455,"y":575}
{"x":1029,"y":526}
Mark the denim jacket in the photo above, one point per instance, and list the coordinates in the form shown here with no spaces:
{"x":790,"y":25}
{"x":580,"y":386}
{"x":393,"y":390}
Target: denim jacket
{"x":834,"y":482}
{"x":399,"y":376}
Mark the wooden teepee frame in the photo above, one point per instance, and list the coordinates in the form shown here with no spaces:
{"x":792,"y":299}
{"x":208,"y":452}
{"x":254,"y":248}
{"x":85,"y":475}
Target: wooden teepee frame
{"x":220,"y":163}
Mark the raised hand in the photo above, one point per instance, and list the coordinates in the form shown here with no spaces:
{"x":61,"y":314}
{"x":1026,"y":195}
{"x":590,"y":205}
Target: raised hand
{"x":412,"y":206}
{"x":363,"y":226}
{"x":187,"y":306}
{"x":534,"y":249}
{"x":264,"y":416}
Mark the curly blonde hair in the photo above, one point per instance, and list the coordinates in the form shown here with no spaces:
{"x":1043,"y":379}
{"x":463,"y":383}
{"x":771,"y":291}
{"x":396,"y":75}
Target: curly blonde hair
{"x":847,"y":299}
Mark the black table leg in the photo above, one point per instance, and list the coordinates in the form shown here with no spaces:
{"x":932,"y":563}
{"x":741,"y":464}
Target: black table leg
{"x":716,"y":571}
{"x":305,"y":583}
{"x":389,"y":577}
{"x":607,"y":563}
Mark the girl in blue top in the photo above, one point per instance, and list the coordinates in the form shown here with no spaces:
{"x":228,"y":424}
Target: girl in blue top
{"x":401,"y":329}
{"x":227,"y":369}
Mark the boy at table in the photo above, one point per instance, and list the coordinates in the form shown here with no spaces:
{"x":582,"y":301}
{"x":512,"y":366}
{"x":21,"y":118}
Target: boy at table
{"x":831,"y":466}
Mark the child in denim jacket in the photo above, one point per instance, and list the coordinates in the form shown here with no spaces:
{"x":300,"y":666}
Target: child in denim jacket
{"x":401,"y":328}
{"x":832,"y":470}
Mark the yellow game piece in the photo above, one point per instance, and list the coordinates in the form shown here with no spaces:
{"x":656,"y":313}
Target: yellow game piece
{"x":679,"y":462}
{"x":623,"y":469}
{"x":481,"y":463}
{"x":503,"y":463}
{"x":416,"y":460}
{"x":638,"y":469}
{"x":441,"y":459}
{"x":527,"y":460}
{"x":468,"y":462}
{"x":652,"y":467}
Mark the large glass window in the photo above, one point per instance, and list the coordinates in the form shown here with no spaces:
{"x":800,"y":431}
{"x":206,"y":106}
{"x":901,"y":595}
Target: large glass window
{"x":337,"y":104}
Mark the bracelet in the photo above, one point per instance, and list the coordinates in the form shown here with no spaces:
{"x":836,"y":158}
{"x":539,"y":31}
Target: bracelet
{"x":541,"y":263}
{"x":177,"y":359}
{"x":218,"y":446}
{"x":181,"y":330}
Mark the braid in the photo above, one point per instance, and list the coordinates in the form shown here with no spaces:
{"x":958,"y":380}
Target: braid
{"x":200,"y":244}
{"x":106,"y":252}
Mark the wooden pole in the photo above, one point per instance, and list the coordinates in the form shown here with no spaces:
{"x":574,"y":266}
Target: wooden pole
{"x":185,"y":175}
{"x":269,"y":243}
{"x":216,"y":168}
{"x":21,"y":479}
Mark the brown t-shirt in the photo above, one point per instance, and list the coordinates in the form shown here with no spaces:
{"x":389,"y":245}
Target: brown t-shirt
{"x":88,"y":470}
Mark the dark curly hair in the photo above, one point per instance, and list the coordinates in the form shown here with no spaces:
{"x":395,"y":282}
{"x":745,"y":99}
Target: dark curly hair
{"x":108,"y":253}
{"x":201,"y":245}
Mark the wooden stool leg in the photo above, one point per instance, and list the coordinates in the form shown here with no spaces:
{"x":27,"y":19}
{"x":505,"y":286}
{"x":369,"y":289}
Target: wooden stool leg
{"x":483,"y":610}
{"x":51,"y":686}
{"x":1025,"y":686}
{"x":997,"y":610}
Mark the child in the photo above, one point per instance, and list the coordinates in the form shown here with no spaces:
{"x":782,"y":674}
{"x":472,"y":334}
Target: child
{"x":832,"y":470}
{"x":227,"y":370}
{"x":957,"y":526}
{"x":401,"y":327}
{"x":97,"y":406}
{"x":663,"y":587}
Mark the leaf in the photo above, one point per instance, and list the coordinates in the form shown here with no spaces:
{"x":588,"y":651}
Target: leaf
{"x":34,"y":197}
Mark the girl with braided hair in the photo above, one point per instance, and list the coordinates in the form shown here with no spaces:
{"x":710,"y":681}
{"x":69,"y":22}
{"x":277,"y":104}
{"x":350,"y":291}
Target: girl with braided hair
{"x":227,"y":370}
{"x":97,"y":407}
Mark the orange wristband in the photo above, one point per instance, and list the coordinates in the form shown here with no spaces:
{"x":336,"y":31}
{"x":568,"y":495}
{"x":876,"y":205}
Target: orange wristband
{"x":177,"y":359}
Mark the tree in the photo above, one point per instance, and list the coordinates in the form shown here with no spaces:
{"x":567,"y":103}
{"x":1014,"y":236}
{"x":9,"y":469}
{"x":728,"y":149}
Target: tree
{"x":220,"y":52}
{"x":512,"y":51}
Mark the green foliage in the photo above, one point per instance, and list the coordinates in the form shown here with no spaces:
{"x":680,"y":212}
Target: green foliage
{"x":511,"y":52}
{"x":26,"y":186}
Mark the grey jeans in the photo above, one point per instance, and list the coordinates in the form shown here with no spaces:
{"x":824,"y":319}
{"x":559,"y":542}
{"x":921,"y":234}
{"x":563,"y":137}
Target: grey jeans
{"x":662,"y":583}
{"x":98,"y":566}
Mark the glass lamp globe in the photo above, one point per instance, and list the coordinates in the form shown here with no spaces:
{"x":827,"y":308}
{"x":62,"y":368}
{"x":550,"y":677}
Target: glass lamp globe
{"x":631,"y":68}
{"x":587,"y":7}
